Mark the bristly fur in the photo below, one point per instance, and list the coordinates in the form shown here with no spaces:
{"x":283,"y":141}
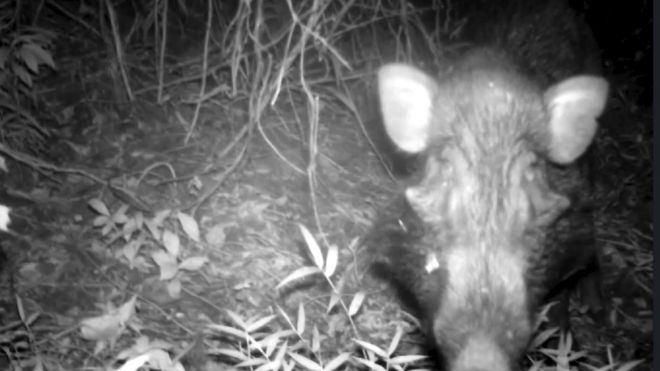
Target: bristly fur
{"x":491,"y":227}
{"x":493,"y":267}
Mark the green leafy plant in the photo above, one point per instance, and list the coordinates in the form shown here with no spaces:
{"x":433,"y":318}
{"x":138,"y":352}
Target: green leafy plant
{"x":387,"y":356}
{"x":22,"y":53}
{"x":266,"y":348}
{"x":325,"y":267}
{"x":262,"y":344}
{"x":17,"y":339}
{"x":136,"y":232}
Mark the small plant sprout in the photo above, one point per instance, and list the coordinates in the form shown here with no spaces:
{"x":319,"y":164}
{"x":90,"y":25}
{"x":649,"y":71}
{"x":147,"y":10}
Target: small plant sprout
{"x":375,"y":353}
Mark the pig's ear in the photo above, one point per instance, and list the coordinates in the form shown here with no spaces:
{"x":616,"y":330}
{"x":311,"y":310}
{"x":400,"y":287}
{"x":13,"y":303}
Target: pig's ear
{"x":574,"y":105}
{"x":406,"y":100}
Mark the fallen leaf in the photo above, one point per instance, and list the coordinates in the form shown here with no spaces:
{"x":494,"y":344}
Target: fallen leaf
{"x":189,"y":226}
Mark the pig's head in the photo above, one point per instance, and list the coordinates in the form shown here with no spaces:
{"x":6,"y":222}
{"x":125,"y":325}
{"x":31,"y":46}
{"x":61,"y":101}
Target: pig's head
{"x":487,"y":134}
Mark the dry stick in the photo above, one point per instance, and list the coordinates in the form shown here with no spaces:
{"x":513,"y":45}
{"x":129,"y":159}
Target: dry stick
{"x":156,"y":29}
{"x":178,"y":81}
{"x":37,"y":13}
{"x":39,"y":164}
{"x":318,"y":37}
{"x":73,"y":17}
{"x":24,"y":116}
{"x":311,"y":168}
{"x":286,"y":63}
{"x":263,"y":94}
{"x":148,"y":169}
{"x":245,"y":131}
{"x":258,"y":97}
{"x":283,"y":67}
{"x":277,"y":151}
{"x":292,"y":51}
{"x":163,"y":45}
{"x":211,"y":167}
{"x":205,"y":63}
{"x":233,"y":65}
{"x":236,"y":54}
{"x":195,"y":205}
{"x":119,"y":49}
{"x":313,"y":101}
{"x":339,"y":18}
{"x":313,"y":150}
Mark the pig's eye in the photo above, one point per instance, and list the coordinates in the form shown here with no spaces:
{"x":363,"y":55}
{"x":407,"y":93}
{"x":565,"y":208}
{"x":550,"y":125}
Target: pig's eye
{"x":529,"y":174}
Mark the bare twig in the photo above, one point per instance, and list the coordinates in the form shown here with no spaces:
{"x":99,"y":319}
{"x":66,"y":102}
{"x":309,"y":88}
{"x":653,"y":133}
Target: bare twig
{"x":119,"y":50}
{"x":205,"y":63}
{"x":57,"y":6}
{"x":163,"y":46}
{"x":195,"y":205}
{"x":40,"y":165}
